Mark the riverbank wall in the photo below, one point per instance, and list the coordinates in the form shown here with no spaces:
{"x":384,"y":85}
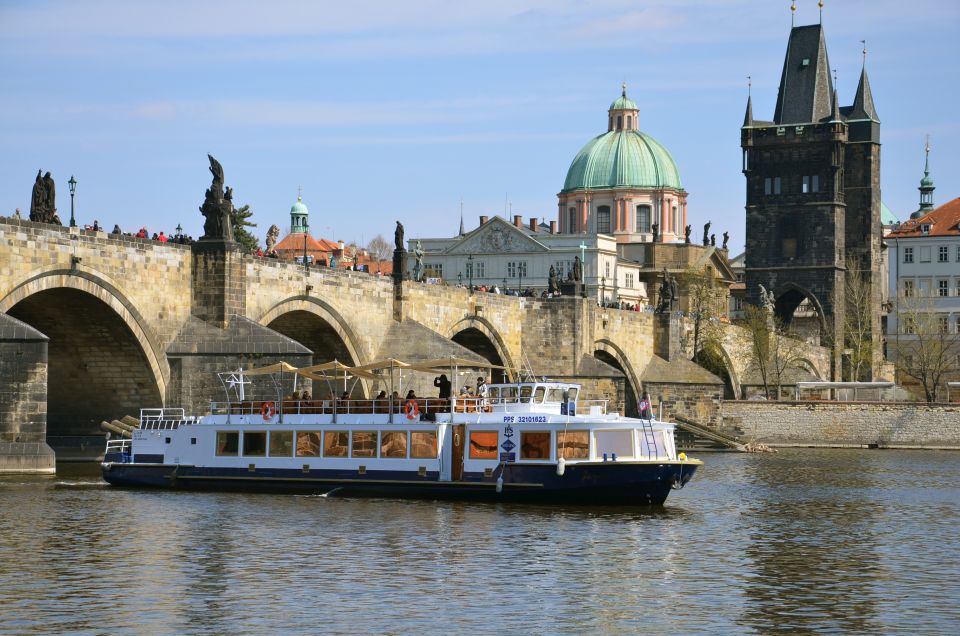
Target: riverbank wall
{"x":845,"y":424}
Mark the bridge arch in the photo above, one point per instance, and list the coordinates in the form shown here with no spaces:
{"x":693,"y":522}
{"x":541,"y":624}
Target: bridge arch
{"x":609,"y":352}
{"x":480,"y":336}
{"x":103,"y":361}
{"x":727,"y":372}
{"x":315,"y":324}
{"x":788,"y":298}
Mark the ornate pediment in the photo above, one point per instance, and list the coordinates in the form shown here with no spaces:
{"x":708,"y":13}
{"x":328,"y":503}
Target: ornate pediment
{"x":497,"y":237}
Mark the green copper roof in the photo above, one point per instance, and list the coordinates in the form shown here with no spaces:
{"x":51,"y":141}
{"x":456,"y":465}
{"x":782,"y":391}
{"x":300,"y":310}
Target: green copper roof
{"x":299,"y":207}
{"x":623,"y":103}
{"x":622,"y":159}
{"x":887,"y":216}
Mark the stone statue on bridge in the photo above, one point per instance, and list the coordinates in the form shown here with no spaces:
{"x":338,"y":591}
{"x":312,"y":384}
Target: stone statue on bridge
{"x":577,"y":269}
{"x":43,"y":202}
{"x":398,"y":236}
{"x":553,"y":282}
{"x":767,"y":299}
{"x":418,"y":263}
{"x":272,"y":235}
{"x":665,"y":295}
{"x":217,"y":207}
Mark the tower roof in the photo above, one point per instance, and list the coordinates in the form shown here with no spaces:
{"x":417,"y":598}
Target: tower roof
{"x":748,"y":116}
{"x":622,"y":159}
{"x":623,"y":102}
{"x":863,"y":107}
{"x":806,"y":88}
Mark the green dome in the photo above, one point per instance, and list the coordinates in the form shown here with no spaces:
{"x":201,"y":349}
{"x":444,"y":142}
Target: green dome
{"x":622,"y":159}
{"x":623,"y":103}
{"x":299,"y":207}
{"x":926,"y":182}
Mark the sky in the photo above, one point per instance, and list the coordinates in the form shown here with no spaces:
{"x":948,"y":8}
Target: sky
{"x":385,"y":110}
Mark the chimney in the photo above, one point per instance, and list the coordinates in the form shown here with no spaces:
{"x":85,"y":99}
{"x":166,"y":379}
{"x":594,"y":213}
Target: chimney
{"x":341,"y":246}
{"x":533,"y":224}
{"x":518,"y":220}
{"x":483,"y":220}
{"x":553,"y":227}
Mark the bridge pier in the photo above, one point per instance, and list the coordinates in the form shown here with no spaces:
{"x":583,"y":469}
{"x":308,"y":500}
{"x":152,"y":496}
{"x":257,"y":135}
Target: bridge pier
{"x":23,"y":399}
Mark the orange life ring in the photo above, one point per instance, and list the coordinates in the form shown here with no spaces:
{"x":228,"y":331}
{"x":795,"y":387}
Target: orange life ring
{"x":268,"y":411}
{"x":412,"y":409}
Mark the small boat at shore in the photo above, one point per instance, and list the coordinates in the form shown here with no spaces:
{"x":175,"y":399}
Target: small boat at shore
{"x":524,"y":441}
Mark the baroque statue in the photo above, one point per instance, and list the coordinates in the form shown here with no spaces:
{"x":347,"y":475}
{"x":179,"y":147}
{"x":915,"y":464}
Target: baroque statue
{"x":706,"y":233}
{"x":767,"y":299}
{"x":418,"y":262}
{"x":713,"y":240}
{"x":217,"y":208}
{"x":686,"y":234}
{"x":665,"y":295}
{"x":726,"y":239}
{"x":398,"y":236}
{"x":272,"y":235}
{"x":43,"y":202}
{"x":577,"y":269}
{"x":553,"y":284}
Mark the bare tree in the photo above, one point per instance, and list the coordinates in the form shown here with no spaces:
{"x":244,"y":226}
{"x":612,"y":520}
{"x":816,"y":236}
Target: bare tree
{"x":379,"y":249}
{"x":774,"y":351}
{"x":706,"y":302}
{"x":924,"y":348}
{"x":857,"y":328}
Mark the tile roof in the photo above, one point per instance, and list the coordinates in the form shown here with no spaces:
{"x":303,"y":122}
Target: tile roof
{"x":943,"y":221}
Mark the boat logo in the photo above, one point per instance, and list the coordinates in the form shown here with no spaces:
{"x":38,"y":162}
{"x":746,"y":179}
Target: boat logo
{"x":508,"y":431}
{"x":508,"y":446}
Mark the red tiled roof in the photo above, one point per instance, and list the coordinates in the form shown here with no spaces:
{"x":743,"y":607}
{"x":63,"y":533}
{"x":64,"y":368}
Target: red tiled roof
{"x":294,"y":242}
{"x":943,"y":221}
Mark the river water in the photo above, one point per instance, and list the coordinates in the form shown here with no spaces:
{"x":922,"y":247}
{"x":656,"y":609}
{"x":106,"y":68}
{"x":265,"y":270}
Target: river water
{"x":805,"y":541}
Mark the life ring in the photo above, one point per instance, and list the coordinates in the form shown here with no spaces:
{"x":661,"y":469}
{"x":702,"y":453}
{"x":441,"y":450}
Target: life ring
{"x":268,"y":411}
{"x":412,"y":409}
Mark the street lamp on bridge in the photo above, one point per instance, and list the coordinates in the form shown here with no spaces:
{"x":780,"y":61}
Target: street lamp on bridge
{"x":470,"y":270}
{"x":73,"y":190}
{"x":179,"y":229}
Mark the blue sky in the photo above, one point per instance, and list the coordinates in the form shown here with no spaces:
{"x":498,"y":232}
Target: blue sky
{"x":384,"y":110}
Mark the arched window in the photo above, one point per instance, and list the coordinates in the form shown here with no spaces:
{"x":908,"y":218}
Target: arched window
{"x":676,"y":218}
{"x":619,"y":122}
{"x":571,"y":220}
{"x":629,"y":122}
{"x":603,"y":219}
{"x":643,"y":218}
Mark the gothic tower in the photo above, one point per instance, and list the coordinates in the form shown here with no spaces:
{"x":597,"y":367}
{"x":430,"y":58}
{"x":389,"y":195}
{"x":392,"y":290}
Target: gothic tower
{"x":813,"y":194}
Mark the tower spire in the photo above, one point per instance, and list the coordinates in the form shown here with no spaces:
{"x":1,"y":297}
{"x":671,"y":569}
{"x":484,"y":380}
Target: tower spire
{"x":820,"y":4}
{"x":793,"y":12}
{"x":926,"y":184}
{"x":748,"y":116}
{"x":461,"y":217}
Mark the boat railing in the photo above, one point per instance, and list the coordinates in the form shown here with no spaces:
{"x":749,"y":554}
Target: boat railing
{"x":161,"y":419}
{"x":405,"y":407}
{"x":120,"y":446}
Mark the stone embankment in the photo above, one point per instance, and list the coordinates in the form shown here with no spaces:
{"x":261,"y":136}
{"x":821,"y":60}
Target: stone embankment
{"x":845,"y":424}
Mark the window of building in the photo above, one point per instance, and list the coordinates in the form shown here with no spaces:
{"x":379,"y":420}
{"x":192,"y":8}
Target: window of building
{"x":943,"y":324}
{"x":806,"y":185}
{"x":908,"y":325}
{"x":768,"y":186}
{"x":790,"y":248}
{"x":308,"y":443}
{"x":643,"y":218}
{"x":469,"y":269}
{"x":958,"y":253}
{"x":480,"y":273}
{"x":572,"y":220}
{"x":433,"y":270}
{"x":925,"y":254}
{"x":629,"y":122}
{"x":737,"y":303}
{"x":603,"y":219}
{"x":606,"y":269}
{"x":423,"y":445}
{"x":511,"y":269}
{"x":776,"y":185}
{"x":943,"y":288}
{"x":228,"y":443}
{"x":944,"y":254}
{"x":254,"y":443}
{"x":573,"y":444}
{"x":483,"y":444}
{"x":628,"y":280}
{"x":535,"y":445}
{"x":522,"y":268}
{"x":563,"y":268}
{"x":908,"y":255}
{"x":364,"y":444}
{"x":336,"y":443}
{"x":393,"y":444}
{"x":815,"y":183}
{"x":281,"y":443}
{"x":908,"y":289}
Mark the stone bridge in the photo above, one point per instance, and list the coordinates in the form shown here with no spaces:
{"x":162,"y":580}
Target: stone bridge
{"x":94,"y":327}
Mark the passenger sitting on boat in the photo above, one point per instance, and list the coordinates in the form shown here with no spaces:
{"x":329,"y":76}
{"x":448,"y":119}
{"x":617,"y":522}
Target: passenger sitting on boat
{"x":411,"y":395}
{"x":382,"y":395}
{"x":464,"y":391}
{"x":345,"y":395}
{"x":306,"y":395}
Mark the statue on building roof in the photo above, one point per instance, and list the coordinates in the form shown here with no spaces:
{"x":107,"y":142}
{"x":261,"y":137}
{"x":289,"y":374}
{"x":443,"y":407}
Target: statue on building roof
{"x":706,"y":233}
{"x":713,"y":240}
{"x":686,"y":234}
{"x":726,"y":239}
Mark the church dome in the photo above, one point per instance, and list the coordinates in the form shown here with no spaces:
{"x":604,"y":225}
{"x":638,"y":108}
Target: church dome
{"x":622,"y":159}
{"x":623,"y":103}
{"x":299,"y":207}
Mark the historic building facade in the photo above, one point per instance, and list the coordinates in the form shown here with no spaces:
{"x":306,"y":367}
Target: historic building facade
{"x":813,"y":194}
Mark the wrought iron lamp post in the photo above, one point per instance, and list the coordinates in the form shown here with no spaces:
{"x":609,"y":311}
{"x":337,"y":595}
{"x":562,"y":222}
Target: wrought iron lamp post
{"x":179,"y":231}
{"x":73,"y":190}
{"x":603,"y":290}
{"x":306,"y":265}
{"x":470,"y":270}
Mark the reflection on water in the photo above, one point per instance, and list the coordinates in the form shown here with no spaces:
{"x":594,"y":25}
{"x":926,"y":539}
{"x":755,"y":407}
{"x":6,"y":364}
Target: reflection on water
{"x":859,"y":542}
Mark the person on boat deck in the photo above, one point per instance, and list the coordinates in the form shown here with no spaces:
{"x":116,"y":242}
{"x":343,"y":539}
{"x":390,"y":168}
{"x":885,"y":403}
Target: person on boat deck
{"x":382,"y":395}
{"x":411,"y":395}
{"x":465,"y":390}
{"x":306,"y":395}
{"x":645,"y":412}
{"x":482,"y":390}
{"x":345,"y":395}
{"x":444,"y":385}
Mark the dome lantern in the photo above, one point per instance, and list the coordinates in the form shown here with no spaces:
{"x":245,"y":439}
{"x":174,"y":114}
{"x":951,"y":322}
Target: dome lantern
{"x":623,"y":113}
{"x":298,"y":217}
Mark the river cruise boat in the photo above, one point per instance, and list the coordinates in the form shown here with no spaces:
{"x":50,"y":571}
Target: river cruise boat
{"x":526,"y":441}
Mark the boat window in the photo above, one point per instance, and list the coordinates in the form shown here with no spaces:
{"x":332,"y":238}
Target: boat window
{"x":535,"y":445}
{"x":228,"y":442}
{"x":393,"y":444}
{"x":254,"y":443}
{"x":538,"y":395}
{"x":483,"y":444}
{"x":308,"y":443}
{"x":525,"y":392}
{"x":364,"y":444}
{"x":423,"y":444}
{"x":336,"y":443}
{"x":573,"y":444}
{"x":555,"y":395}
{"x":281,"y":443}
{"x":614,"y":442}
{"x":493,"y":392}
{"x":572,"y":395}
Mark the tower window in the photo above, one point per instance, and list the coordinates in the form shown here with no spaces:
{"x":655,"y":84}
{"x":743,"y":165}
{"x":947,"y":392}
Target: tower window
{"x":768,"y":186}
{"x":571,"y":220}
{"x":603,"y":219}
{"x":619,"y":122}
{"x":629,"y":122}
{"x":815,"y":183}
{"x":776,"y":185}
{"x":643,"y":218}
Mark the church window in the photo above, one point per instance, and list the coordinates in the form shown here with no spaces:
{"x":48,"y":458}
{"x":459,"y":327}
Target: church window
{"x":619,"y":122}
{"x":629,"y":122}
{"x":603,"y":219}
{"x":790,"y":248}
{"x":571,"y":220}
{"x":943,"y":254}
{"x":768,"y":186}
{"x":628,"y":280}
{"x":943,"y":288}
{"x":908,"y":255}
{"x":776,"y":185}
{"x":676,"y":219}
{"x":643,"y":218}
